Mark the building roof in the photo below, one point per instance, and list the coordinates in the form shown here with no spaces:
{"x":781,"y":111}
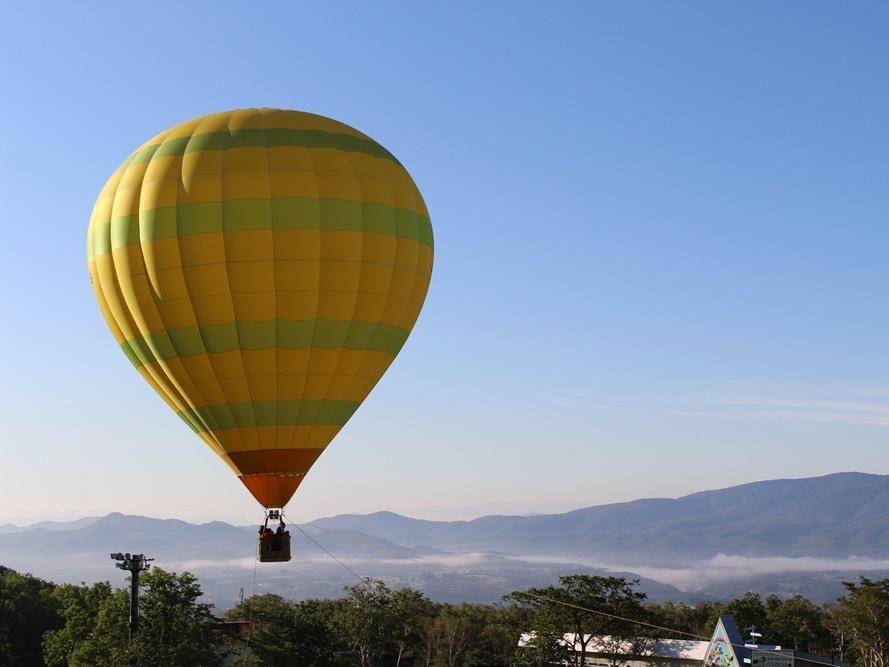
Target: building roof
{"x":677,"y":649}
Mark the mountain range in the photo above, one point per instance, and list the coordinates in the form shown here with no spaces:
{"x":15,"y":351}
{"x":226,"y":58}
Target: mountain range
{"x":836,"y":516}
{"x":782,"y":536}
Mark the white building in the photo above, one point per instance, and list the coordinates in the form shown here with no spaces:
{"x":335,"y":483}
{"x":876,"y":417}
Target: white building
{"x":604,"y":651}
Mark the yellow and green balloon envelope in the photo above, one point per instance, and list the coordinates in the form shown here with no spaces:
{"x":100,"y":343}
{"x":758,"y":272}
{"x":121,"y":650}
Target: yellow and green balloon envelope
{"x":261,"y":268}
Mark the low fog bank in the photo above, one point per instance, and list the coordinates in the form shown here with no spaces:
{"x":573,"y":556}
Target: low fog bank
{"x":725,"y":567}
{"x":473,"y":576}
{"x":486,"y":577}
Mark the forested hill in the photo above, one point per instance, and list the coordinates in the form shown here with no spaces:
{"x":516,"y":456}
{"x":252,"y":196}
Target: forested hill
{"x":835,"y":516}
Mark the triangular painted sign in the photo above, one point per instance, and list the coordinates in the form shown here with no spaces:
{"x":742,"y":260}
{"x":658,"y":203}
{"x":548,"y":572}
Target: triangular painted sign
{"x":721,"y":651}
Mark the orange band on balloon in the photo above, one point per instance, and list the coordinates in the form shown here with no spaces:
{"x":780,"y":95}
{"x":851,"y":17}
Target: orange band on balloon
{"x":275,"y":461}
{"x":272,"y":490}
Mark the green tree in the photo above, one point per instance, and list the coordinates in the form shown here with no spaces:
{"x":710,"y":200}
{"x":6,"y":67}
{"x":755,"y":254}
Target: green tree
{"x":796,"y":622}
{"x":412,"y":611}
{"x":174,"y":628}
{"x":614,"y":596}
{"x":861,"y":619}
{"x":27,"y":610}
{"x":698,"y":619}
{"x":79,"y":608}
{"x":285,"y":633}
{"x":748,"y":611}
{"x":381,"y":626}
{"x":108,"y":645}
{"x":446,"y":638}
{"x":512,"y":621}
{"x":490,"y":640}
{"x":367,"y":621}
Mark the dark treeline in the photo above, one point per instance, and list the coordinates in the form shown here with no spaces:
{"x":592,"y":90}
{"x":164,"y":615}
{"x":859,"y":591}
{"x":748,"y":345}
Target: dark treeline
{"x":46,"y":624}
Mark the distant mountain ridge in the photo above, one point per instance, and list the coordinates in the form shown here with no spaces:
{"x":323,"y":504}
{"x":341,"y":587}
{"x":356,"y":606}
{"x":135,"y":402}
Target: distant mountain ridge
{"x":49,"y":525}
{"x":216,"y":539}
{"x":834,"y":516}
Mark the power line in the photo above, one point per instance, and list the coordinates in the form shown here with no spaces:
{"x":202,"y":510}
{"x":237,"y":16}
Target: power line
{"x":321,"y":546}
{"x":650,"y":625}
{"x":250,"y":621}
{"x":531,"y":595}
{"x":610,"y":615}
{"x":415,"y":559}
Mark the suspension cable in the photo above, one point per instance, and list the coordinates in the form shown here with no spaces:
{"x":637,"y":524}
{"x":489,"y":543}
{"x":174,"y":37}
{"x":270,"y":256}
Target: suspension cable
{"x":363,"y":580}
{"x":610,"y":615}
{"x":250,"y":615}
{"x":545,"y":598}
{"x":650,"y":625}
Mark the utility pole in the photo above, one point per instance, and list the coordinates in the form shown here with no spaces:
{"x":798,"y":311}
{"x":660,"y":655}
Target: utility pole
{"x":134,"y":563}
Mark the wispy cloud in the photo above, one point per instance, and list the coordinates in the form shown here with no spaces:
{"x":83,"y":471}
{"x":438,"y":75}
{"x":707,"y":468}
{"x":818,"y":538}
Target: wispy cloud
{"x":690,"y":577}
{"x":199,"y":564}
{"x":867,"y":412}
{"x":203,"y":564}
{"x":726,"y":567}
{"x":844,"y":404}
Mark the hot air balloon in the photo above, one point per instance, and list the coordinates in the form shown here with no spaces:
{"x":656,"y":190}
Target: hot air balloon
{"x":261,"y":268}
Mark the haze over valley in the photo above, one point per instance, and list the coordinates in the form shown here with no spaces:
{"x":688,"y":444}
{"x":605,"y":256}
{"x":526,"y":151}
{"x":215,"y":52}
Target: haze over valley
{"x":780,"y":536}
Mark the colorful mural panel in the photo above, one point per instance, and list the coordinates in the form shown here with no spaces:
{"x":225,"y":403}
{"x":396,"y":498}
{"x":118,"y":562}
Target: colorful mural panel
{"x":720,"y":652}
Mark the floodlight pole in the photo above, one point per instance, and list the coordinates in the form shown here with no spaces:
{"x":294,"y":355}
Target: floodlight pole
{"x":134,"y":563}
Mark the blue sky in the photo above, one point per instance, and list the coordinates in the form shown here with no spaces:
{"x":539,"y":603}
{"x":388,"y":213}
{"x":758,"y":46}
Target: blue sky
{"x":660,"y":246}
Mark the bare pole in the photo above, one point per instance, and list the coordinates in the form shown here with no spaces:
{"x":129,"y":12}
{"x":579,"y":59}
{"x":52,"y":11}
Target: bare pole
{"x":134,"y":564}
